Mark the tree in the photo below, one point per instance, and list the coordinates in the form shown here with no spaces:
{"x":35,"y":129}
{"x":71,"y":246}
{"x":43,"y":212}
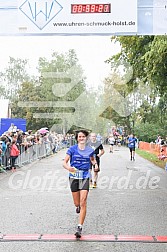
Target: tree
{"x":156,"y":64}
{"x":61,"y":80}
{"x":13,"y":76}
{"x":27,"y":93}
{"x":147,"y":57}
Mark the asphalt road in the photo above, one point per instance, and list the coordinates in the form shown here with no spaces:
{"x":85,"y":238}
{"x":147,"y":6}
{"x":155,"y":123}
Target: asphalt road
{"x":131,"y":199}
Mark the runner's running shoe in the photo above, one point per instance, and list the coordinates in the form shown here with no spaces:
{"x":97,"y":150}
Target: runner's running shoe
{"x":78,"y":209}
{"x":78,"y":232}
{"x":94,"y":185}
{"x":91,"y":187}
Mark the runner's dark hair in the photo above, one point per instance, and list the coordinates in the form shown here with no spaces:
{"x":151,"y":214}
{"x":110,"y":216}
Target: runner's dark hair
{"x":85,"y":132}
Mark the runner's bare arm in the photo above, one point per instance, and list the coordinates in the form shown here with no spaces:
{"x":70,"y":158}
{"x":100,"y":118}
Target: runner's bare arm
{"x":101,"y":153}
{"x":93,"y":161}
{"x":65,"y":164}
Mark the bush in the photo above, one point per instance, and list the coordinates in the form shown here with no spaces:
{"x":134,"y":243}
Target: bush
{"x":148,"y":132}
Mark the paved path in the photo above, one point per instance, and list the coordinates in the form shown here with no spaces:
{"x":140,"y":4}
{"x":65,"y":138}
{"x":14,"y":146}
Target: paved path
{"x":130,"y":200}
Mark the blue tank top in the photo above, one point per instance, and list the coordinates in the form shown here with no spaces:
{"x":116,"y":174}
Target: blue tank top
{"x":131,"y":143}
{"x":80,"y":159}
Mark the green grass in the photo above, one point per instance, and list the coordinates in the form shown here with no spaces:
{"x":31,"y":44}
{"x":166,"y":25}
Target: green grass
{"x":151,"y":157}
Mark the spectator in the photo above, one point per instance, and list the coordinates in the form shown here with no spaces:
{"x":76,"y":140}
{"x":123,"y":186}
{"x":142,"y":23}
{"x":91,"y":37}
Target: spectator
{"x":14,"y":153}
{"x":12,"y":128}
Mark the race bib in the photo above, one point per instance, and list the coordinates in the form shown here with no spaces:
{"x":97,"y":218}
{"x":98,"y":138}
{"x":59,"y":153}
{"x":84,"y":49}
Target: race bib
{"x":78,"y":174}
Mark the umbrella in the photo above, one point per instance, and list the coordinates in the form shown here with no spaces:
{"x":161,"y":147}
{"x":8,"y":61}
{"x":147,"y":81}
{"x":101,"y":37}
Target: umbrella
{"x":44,"y":128}
{"x":43,"y":131}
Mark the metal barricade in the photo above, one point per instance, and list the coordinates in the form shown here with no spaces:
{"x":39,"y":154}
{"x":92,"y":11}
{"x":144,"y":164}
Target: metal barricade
{"x":32,"y":153}
{"x":28,"y":154}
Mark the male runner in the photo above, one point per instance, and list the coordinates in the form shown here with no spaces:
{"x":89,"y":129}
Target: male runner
{"x":99,"y":151}
{"x":131,"y":144}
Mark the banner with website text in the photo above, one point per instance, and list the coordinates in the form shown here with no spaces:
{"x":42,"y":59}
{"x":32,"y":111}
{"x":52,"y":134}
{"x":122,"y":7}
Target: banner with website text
{"x":71,"y":17}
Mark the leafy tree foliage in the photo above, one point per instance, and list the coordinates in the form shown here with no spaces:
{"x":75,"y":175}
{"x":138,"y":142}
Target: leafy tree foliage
{"x":43,"y":101}
{"x":147,"y":57}
{"x":13,"y":76}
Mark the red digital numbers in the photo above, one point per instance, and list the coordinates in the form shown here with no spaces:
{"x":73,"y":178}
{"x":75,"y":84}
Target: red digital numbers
{"x":90,"y":8}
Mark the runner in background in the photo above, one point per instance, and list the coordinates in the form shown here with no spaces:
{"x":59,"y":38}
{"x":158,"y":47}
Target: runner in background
{"x":98,"y":152}
{"x":80,"y":157}
{"x":111,"y":141}
{"x":131,"y":144}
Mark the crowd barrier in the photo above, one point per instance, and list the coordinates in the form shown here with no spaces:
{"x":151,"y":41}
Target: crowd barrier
{"x":33,"y":153}
{"x":157,"y":149}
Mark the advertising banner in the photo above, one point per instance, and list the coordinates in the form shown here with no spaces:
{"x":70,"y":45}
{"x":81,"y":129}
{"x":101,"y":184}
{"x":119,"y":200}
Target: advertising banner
{"x":71,"y":17}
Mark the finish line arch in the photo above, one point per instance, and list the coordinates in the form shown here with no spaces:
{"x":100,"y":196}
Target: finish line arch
{"x":98,"y":17}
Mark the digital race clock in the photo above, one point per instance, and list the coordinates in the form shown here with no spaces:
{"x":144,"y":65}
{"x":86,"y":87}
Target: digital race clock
{"x":90,"y":8}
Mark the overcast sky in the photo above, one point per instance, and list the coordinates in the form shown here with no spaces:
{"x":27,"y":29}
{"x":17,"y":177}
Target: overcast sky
{"x":92,"y":51}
